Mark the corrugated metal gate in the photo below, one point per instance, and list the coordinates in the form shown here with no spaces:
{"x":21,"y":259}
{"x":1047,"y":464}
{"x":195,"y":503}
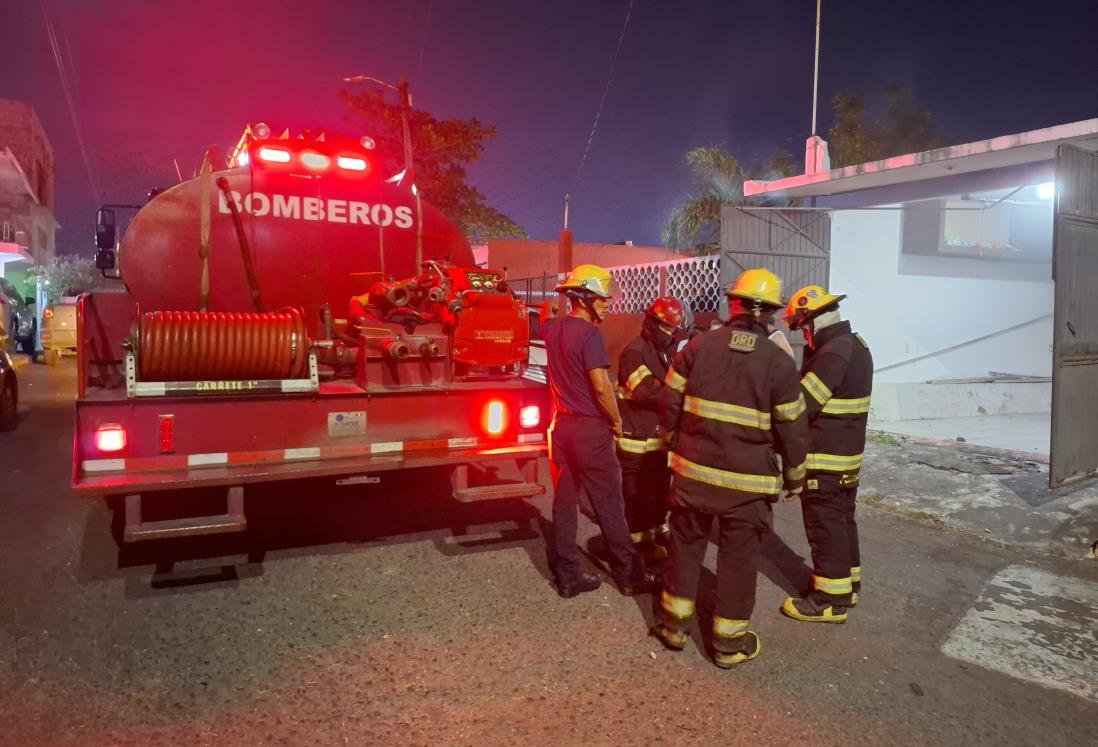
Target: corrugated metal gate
{"x":1075,"y":318}
{"x":793,"y":244}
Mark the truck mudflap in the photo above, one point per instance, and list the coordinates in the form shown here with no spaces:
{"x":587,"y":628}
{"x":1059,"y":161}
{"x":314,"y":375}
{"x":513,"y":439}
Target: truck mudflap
{"x":174,"y":471}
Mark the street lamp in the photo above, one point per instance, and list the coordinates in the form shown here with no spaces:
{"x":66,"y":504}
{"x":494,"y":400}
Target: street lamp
{"x":405,"y":99}
{"x":405,"y":106}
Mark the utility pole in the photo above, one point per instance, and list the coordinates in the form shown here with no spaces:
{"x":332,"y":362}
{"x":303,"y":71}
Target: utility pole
{"x":816,"y":67}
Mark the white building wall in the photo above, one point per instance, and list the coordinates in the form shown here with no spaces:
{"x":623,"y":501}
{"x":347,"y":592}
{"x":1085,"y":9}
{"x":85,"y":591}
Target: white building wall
{"x":903,"y":316}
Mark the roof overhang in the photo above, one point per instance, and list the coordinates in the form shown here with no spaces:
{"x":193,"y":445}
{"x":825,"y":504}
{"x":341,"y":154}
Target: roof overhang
{"x":1000,"y":152}
{"x":10,"y":252}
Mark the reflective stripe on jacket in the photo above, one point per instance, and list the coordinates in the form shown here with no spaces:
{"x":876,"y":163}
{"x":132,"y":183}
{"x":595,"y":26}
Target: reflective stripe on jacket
{"x":735,"y":401}
{"x":837,"y":381}
{"x":641,"y":371}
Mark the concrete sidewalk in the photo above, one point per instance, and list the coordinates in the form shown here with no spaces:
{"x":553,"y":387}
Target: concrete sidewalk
{"x":994,"y":494}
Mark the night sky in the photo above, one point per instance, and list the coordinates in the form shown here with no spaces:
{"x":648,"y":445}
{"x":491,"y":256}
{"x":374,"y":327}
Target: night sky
{"x":153,"y":81}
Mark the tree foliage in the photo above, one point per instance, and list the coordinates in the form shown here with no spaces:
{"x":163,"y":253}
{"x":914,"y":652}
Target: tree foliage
{"x":717,"y":179}
{"x":902,"y":126}
{"x":442,"y":149}
{"x":67,"y":275}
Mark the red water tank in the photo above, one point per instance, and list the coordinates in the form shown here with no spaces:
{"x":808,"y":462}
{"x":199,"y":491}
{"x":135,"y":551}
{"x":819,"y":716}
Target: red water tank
{"x":309,"y":226}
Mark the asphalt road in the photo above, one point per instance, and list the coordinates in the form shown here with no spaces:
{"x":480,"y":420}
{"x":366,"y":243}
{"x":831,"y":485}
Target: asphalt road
{"x":388,"y":614}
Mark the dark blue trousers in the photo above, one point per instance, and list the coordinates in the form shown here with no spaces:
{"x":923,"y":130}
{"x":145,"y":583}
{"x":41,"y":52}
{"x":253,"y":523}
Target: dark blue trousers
{"x":583,"y":458}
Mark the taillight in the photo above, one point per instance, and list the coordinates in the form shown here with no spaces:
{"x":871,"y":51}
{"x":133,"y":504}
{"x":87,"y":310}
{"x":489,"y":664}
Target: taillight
{"x":277,"y":155}
{"x":167,"y":434}
{"x":47,"y":314}
{"x":495,"y":417}
{"x":315,"y":160}
{"x":530,"y":416}
{"x":110,"y":437}
{"x":351,"y":163}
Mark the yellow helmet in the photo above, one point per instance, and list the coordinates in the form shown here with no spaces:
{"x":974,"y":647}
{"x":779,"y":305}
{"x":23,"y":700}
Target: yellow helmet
{"x":758,"y":284}
{"x":806,"y":303}
{"x":591,"y":278}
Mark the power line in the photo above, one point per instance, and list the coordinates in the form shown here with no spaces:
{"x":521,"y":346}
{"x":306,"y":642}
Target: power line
{"x":426,"y":35}
{"x":66,"y":88}
{"x":605,"y":91}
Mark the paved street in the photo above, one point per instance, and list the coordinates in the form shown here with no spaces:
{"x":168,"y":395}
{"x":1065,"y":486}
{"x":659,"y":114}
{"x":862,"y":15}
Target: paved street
{"x":390,"y":615}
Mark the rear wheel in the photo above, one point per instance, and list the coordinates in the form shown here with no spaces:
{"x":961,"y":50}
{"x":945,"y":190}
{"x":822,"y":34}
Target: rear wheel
{"x":8,"y":402}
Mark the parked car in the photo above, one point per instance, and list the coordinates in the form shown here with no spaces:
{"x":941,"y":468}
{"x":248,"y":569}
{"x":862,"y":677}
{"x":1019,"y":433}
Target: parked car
{"x":16,"y":318}
{"x":59,"y":329}
{"x":9,"y":387}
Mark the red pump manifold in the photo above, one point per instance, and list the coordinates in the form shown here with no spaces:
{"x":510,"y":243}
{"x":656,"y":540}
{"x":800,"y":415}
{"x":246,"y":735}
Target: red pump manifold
{"x":214,"y":345}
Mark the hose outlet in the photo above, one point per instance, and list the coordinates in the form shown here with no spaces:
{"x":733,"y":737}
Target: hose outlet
{"x":397,"y":350}
{"x":429,"y":349}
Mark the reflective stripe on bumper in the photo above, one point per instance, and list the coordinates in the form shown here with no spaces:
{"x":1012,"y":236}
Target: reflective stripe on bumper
{"x":765,"y":484}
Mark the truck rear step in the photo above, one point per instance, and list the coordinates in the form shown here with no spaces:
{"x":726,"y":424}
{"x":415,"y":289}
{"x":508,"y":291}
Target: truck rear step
{"x":231,"y":521}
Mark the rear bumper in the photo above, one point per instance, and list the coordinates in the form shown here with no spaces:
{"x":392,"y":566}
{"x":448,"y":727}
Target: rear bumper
{"x":120,"y":476}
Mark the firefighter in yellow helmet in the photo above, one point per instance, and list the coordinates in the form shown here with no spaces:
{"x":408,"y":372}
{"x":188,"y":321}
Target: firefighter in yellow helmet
{"x":734,"y":400}
{"x":642,"y":451}
{"x":837,"y":378}
{"x":582,"y":436}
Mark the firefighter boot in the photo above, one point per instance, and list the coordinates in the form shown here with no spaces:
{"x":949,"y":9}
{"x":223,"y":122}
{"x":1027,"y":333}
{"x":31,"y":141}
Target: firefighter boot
{"x":647,"y":546}
{"x":673,"y":621}
{"x":728,"y":652}
{"x":814,"y":608}
{"x":662,"y":535}
{"x":670,"y":637}
{"x":855,"y":585}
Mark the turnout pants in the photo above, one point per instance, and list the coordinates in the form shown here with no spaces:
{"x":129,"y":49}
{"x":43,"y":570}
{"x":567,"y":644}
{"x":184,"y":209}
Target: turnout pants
{"x":741,"y":531}
{"x":828,"y":510}
{"x":646,"y":481}
{"x":582,"y":458}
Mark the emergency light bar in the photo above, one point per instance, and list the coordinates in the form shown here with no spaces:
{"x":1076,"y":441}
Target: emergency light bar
{"x":314,"y":155}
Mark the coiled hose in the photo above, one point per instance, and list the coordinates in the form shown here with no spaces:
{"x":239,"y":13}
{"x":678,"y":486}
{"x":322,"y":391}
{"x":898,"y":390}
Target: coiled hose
{"x":218,"y":346}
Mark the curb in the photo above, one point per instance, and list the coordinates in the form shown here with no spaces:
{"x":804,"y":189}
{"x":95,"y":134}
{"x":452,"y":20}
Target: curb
{"x":1018,"y":456}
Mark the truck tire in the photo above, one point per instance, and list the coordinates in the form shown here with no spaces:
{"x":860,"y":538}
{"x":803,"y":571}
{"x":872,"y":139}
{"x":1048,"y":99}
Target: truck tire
{"x":9,"y":401}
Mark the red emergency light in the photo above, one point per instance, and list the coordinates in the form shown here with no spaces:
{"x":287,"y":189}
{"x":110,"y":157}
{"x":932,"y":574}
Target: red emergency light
{"x":110,"y":437}
{"x":275,"y":155}
{"x":314,"y":160}
{"x":351,"y":163}
{"x":495,"y":417}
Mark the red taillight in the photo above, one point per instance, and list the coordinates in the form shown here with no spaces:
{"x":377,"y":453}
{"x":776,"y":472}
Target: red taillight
{"x":315,"y":160}
{"x":277,"y":155}
{"x":110,"y":437}
{"x":351,"y":163}
{"x":47,"y":314}
{"x":167,"y":434}
{"x":530,"y":416}
{"x":495,"y":417}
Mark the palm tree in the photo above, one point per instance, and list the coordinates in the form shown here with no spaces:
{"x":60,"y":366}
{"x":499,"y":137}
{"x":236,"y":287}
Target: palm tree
{"x":694,"y":226}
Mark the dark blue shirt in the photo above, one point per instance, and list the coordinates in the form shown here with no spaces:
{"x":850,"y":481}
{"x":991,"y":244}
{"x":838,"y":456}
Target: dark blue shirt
{"x":574,"y":347}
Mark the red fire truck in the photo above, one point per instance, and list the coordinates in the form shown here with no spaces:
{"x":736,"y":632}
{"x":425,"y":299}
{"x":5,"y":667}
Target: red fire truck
{"x":297,"y":315}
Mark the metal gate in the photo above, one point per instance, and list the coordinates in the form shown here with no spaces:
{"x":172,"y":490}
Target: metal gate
{"x":1074,"y":454}
{"x":793,"y":244}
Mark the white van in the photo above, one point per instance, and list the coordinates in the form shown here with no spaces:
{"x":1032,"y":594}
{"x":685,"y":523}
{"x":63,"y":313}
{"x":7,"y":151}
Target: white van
{"x":59,"y":329}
